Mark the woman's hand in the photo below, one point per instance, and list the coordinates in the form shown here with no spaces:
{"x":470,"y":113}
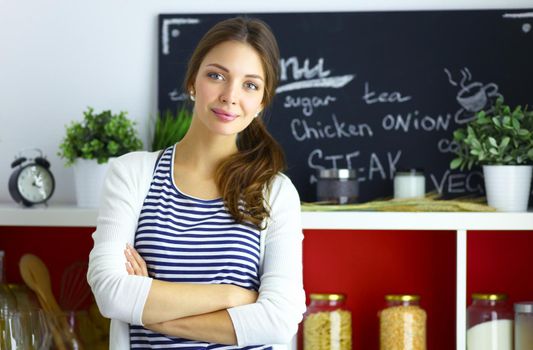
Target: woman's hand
{"x":135,"y":264}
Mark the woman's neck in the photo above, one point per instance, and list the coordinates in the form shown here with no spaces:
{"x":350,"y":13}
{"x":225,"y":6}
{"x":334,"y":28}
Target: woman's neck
{"x":202,"y":152}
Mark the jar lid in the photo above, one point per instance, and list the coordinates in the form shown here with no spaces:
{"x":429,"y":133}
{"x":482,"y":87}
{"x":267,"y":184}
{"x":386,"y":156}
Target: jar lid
{"x":489,"y":296}
{"x":402,"y":297}
{"x":524,"y":306}
{"x":330,"y":297}
{"x":337,"y":173}
{"x":410,"y":171}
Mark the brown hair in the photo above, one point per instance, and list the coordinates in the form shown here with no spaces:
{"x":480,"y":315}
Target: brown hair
{"x":244,"y":175}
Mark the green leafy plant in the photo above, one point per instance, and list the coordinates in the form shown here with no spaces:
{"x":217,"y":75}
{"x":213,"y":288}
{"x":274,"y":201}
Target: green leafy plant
{"x":99,"y":136}
{"x":501,"y":137}
{"x":170,"y":128}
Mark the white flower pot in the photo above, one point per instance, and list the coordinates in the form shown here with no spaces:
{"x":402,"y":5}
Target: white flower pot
{"x":89,"y":180}
{"x":508,"y":186}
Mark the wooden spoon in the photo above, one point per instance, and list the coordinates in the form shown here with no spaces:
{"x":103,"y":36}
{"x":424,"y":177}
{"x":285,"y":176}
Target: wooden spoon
{"x":35,"y":274}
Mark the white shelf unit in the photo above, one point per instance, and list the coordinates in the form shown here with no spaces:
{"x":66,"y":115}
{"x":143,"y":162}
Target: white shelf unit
{"x":459,"y":222}
{"x":65,"y":215}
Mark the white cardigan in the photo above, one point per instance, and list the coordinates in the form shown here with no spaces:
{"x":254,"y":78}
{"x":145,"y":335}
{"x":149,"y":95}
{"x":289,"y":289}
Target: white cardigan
{"x":273,"y":319}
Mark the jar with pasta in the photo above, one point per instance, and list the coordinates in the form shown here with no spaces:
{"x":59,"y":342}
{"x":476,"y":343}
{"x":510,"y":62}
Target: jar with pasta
{"x":327,"y":324}
{"x":402,"y":323}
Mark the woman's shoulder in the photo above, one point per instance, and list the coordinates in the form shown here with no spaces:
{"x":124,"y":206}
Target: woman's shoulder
{"x":282,"y":188}
{"x":137,"y":157}
{"x":137,"y":162}
{"x":281,"y":180}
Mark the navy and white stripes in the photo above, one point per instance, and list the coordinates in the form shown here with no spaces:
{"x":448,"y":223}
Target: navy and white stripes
{"x":187,"y":239}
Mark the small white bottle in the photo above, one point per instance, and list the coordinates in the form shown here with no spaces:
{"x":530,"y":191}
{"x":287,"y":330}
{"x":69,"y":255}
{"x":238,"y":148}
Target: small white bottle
{"x":523,"y":331}
{"x":409,"y":183}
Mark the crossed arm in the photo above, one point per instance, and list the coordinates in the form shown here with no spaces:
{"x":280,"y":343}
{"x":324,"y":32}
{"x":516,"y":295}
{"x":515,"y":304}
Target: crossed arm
{"x":205,"y":325}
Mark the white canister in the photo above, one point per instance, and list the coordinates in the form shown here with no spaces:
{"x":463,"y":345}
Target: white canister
{"x":409,"y":183}
{"x":523,"y":331}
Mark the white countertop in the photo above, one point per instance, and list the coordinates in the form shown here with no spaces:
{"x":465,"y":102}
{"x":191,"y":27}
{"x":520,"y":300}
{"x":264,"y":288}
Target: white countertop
{"x":72,"y":216}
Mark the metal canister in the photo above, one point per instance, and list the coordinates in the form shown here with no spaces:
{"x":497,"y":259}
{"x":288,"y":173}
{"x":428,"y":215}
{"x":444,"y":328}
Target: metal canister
{"x":337,"y":186}
{"x":523,"y":330}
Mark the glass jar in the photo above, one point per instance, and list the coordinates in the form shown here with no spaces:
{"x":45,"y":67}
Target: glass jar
{"x":8,"y":307}
{"x":523,"y":331}
{"x":327,"y":324}
{"x":2,"y":267}
{"x":409,"y":183}
{"x":26,"y":298}
{"x":402,"y":323}
{"x":489,"y":323}
{"x":337,"y":186}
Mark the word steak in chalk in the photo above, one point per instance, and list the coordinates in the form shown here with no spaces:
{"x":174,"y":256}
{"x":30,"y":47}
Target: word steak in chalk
{"x":381,"y":166}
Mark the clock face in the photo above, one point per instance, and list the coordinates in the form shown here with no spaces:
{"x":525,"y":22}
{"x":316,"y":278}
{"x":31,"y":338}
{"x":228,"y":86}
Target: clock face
{"x":35,"y":183}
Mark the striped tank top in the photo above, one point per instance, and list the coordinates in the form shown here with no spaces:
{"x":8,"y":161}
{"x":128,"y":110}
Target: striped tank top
{"x":187,"y":239}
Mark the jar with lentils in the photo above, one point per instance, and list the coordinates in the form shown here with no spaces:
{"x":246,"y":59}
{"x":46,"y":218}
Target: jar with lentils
{"x":327,"y":324}
{"x":402,"y":323}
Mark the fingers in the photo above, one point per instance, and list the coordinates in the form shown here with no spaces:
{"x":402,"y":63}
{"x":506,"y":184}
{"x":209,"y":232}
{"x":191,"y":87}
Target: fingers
{"x":129,"y":269}
{"x":135,"y":264}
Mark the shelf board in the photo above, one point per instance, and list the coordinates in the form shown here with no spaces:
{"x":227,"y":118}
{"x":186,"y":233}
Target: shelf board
{"x":56,"y":215}
{"x":72,"y":216}
{"x":418,"y":221}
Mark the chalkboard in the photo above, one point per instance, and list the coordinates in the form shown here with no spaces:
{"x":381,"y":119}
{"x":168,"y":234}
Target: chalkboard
{"x":376,"y":91}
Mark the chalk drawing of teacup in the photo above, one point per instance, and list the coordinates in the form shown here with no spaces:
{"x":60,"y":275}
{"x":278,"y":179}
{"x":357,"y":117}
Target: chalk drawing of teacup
{"x":474,"y":97}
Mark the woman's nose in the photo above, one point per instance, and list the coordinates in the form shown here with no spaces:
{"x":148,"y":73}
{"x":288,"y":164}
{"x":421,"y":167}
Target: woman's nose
{"x":229,"y":95}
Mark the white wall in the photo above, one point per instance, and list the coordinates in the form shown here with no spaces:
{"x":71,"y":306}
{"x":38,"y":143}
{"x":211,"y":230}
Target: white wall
{"x":58,"y":57}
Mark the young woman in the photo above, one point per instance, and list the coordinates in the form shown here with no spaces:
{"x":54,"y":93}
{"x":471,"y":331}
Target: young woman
{"x":201,"y":247}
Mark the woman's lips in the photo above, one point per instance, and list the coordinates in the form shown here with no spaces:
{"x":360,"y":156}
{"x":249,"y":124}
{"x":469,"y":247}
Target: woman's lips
{"x":223,"y":115}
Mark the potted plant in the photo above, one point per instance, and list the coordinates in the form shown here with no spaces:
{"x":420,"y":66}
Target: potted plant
{"x":90,"y":144}
{"x":170,"y":128}
{"x":502,"y":143}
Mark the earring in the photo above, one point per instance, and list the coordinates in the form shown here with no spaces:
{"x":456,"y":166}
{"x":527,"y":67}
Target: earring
{"x":257,"y":114}
{"x":191,"y":96}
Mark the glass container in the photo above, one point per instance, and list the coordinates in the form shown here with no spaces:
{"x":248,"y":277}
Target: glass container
{"x":489,"y":323}
{"x":327,"y":323}
{"x":337,"y":186}
{"x":2,"y":267}
{"x":402,"y":323}
{"x":8,"y":307}
{"x":26,"y":299}
{"x":523,"y":331}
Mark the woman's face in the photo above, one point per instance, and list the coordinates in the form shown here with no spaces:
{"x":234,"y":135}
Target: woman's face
{"x":229,"y":88}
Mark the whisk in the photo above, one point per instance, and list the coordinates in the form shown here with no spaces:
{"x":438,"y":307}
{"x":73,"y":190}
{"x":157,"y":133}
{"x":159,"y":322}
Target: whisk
{"x":74,"y":287}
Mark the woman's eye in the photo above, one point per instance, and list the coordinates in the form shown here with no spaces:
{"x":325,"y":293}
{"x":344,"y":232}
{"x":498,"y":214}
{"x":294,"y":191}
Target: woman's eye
{"x":251,"y":86}
{"x":215,"y":76}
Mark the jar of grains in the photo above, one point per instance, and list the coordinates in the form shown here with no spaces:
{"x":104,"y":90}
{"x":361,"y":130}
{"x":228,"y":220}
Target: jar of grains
{"x":327,"y":324}
{"x":489,"y":323}
{"x":402,"y":324}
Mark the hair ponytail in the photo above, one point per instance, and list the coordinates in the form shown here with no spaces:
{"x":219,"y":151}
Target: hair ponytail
{"x":242,"y":177}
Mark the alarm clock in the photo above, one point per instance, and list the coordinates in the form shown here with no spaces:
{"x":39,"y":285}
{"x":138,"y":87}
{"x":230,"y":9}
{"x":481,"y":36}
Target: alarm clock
{"x":32,"y":181}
